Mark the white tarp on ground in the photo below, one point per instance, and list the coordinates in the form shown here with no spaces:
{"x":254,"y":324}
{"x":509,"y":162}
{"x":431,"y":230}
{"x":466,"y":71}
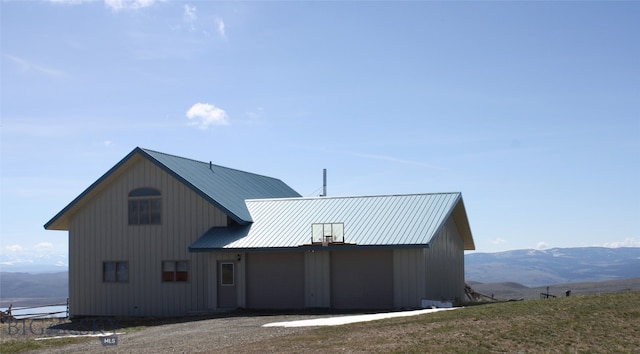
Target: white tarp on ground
{"x":341,"y":320}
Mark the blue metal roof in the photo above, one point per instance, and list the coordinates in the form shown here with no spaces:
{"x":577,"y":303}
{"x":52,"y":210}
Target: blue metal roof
{"x":374,"y":221}
{"x":225,"y":188}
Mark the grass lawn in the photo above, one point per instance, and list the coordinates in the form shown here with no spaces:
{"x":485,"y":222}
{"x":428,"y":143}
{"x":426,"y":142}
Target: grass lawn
{"x":608,"y":323}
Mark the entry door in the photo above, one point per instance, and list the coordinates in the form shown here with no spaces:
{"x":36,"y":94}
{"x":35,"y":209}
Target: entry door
{"x":227,"y":294}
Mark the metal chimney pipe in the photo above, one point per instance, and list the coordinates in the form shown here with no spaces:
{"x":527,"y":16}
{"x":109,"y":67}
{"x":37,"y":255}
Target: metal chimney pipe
{"x":324,"y":182}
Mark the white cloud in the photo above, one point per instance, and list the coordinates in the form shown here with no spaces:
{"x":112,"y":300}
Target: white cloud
{"x":13,"y":248}
{"x":628,"y":242}
{"x":202,"y":115}
{"x":395,"y":160}
{"x":117,"y":5}
{"x":70,"y":2}
{"x":27,"y":66}
{"x":498,"y":241}
{"x":255,"y":115}
{"x":44,"y":246}
{"x":542,"y":245}
{"x":112,"y":4}
{"x":16,"y":263}
{"x":189,"y":13}
{"x":220,"y":28}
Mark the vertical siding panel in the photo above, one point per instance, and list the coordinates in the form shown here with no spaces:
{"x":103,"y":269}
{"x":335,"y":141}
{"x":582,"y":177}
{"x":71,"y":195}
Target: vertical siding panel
{"x":74,"y":272}
{"x":445,"y":265}
{"x":84,"y":268}
{"x":91,"y":252}
{"x":168,"y":229}
{"x":114,"y":237}
{"x":75,"y":275}
{"x":211,"y":290}
{"x":85,"y":284}
{"x":317,"y":279}
{"x":152,"y":245}
{"x":79,"y":269}
{"x":242,"y":280}
{"x":408,"y":277}
{"x":75,"y":307}
{"x":94,"y":244}
{"x":398,"y":280}
{"x":103,"y":238}
{"x":97,"y":246}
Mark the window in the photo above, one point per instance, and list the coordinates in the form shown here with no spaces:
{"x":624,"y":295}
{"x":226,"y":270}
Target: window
{"x":226,"y":274}
{"x":115,"y":272}
{"x":145,"y":206}
{"x":173,"y":271}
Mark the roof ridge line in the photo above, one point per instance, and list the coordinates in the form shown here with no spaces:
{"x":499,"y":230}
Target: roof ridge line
{"x":206,"y":163}
{"x":349,"y":196}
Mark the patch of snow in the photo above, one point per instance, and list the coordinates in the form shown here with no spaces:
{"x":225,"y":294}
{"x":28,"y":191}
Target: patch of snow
{"x":342,"y":320}
{"x":80,"y":336}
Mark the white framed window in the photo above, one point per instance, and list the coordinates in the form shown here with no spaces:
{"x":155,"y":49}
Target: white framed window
{"x":145,"y":206}
{"x":175,"y":271}
{"x":115,"y":272}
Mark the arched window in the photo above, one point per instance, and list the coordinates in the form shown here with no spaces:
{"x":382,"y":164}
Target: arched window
{"x":145,"y":206}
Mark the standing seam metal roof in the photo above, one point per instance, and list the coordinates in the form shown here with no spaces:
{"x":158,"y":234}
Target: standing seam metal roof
{"x":374,"y":221}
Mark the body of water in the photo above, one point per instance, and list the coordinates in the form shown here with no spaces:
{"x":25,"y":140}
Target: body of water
{"x":57,"y":311}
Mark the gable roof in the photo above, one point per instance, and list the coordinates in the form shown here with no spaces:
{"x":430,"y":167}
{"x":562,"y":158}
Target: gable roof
{"x":374,"y":221}
{"x":223,"y":187}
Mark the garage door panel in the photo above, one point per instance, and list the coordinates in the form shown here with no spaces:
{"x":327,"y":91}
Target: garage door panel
{"x":275,"y":280}
{"x":362,"y":279}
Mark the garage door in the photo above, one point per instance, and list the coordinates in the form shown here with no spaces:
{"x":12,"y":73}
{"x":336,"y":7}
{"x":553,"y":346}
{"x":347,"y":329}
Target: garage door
{"x":275,"y":280}
{"x":362,"y":279}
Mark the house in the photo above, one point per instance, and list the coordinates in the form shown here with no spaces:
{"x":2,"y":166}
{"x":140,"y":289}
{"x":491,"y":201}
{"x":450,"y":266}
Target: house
{"x":161,"y":235}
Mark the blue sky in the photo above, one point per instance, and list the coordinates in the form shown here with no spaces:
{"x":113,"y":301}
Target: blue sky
{"x":530,"y":109}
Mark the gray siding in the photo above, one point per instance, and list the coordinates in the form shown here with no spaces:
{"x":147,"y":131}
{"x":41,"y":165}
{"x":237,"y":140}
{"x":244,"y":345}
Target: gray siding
{"x":317,"y":279}
{"x":408,"y":277}
{"x":100,"y":232}
{"x":444,"y":265}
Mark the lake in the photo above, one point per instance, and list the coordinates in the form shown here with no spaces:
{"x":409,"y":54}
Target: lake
{"x":58,"y":311}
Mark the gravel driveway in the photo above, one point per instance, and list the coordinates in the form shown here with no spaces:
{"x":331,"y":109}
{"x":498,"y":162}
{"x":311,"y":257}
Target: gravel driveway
{"x":217,"y":335}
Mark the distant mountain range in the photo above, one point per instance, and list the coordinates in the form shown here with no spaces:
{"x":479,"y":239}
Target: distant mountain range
{"x":553,"y":266}
{"x":26,"y":289}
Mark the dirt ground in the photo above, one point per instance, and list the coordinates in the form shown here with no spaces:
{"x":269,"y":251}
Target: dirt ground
{"x":192,"y":335}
